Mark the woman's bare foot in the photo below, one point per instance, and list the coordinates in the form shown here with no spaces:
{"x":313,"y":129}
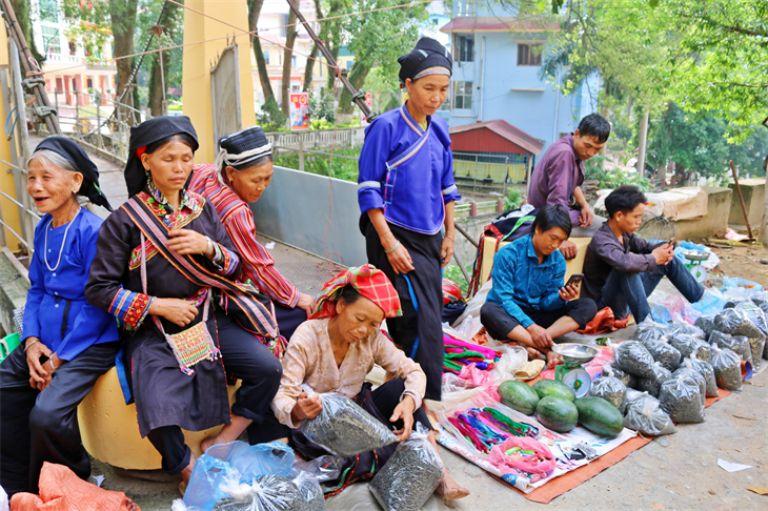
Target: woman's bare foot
{"x":450,"y":489}
{"x":186,"y":473}
{"x":207,"y":442}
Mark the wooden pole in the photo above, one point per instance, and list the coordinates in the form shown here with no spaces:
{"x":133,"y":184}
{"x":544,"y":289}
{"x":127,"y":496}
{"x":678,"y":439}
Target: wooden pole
{"x":741,"y":200}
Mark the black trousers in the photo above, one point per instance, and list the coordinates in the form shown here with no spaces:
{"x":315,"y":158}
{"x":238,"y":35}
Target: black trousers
{"x":499,"y":324}
{"x":426,"y":280}
{"x":245,"y":358}
{"x":289,"y":319}
{"x":42,"y":426}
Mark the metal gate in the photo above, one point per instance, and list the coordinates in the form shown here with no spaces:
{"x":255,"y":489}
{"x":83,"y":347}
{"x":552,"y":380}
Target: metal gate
{"x":225,"y":94}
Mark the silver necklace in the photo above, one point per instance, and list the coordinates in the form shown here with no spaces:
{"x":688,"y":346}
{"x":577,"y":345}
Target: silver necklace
{"x":63,"y":243}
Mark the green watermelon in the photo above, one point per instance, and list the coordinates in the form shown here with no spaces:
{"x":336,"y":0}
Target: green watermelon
{"x":519,"y":395}
{"x":600,"y":416}
{"x":557,"y":414}
{"x":553,"y":388}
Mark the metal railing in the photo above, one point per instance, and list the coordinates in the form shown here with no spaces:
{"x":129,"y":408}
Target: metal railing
{"x":347,"y":137}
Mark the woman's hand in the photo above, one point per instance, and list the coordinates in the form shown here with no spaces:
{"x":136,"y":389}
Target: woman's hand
{"x":586,"y":216}
{"x":404,"y":411}
{"x":177,"y":311}
{"x":189,"y":242}
{"x":306,"y":408}
{"x":446,"y":251}
{"x":35,"y":350}
{"x":305,"y":302}
{"x":398,"y":257}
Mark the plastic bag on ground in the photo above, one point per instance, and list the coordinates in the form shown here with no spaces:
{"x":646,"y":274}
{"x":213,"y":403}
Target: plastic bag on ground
{"x":681,"y":398}
{"x":300,"y":492}
{"x":687,"y":345}
{"x":610,"y":370}
{"x":345,"y":429}
{"x":609,"y":388}
{"x":665,"y":354}
{"x":695,"y":376}
{"x":678,"y":328}
{"x":757,"y":348}
{"x":755,"y":315}
{"x":644,"y":415}
{"x":652,"y":384}
{"x":707,"y":372}
{"x":633,"y":358}
{"x":736,"y":322}
{"x":512,"y":359}
{"x":650,"y":330}
{"x":706,"y":324}
{"x":727,"y":366}
{"x":410,"y":476}
{"x":736,"y":343}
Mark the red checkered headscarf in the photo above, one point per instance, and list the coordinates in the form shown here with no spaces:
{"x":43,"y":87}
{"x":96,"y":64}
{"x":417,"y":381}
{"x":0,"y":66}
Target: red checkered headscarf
{"x":367,"y":280}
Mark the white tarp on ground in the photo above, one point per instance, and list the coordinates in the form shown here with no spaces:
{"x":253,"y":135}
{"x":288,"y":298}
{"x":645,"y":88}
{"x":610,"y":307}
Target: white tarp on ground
{"x":676,"y":204}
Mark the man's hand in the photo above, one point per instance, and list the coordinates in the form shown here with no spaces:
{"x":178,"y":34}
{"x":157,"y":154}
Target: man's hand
{"x":404,"y":411}
{"x":586,"y":217}
{"x":568,"y":249}
{"x":38,"y":374}
{"x":540,"y":337}
{"x":306,"y":408}
{"x":569,"y":293}
{"x":663,"y":253}
{"x":446,"y":251}
{"x":398,"y":257}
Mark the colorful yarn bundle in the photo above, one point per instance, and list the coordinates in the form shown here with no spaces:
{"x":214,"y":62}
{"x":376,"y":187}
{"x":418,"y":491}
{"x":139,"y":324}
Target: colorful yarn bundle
{"x":524,"y":454}
{"x":459,"y":354}
{"x":487,"y":427}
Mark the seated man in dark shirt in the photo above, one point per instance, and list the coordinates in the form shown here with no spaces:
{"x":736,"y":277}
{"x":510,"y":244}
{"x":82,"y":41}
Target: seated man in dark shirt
{"x":621,"y":269}
{"x":558,"y":176}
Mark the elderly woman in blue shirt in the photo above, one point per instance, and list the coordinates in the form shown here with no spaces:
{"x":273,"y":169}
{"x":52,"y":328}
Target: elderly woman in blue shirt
{"x":67,"y":342}
{"x":406,"y":193}
{"x":528,"y":303}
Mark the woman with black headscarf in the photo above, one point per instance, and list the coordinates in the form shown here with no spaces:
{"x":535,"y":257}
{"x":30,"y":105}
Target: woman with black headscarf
{"x":166,"y":269}
{"x":67,"y":342}
{"x":406,"y":193}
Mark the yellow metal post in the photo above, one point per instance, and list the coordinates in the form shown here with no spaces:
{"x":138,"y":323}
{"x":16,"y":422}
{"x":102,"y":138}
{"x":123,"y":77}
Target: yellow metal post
{"x":8,"y":210}
{"x":207,"y":24}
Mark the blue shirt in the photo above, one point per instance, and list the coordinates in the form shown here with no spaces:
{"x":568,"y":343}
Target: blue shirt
{"x":520,"y":281}
{"x":407,"y":171}
{"x":50,"y":291}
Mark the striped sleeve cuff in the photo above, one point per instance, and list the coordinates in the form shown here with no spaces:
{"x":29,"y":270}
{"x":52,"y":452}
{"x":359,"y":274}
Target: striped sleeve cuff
{"x":130,"y":308}
{"x":225,"y":260}
{"x":451,"y":193}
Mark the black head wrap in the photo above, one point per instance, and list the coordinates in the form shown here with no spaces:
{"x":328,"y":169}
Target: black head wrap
{"x":243,"y":148}
{"x":150,"y":132}
{"x":74,"y":154}
{"x":427,"y":53}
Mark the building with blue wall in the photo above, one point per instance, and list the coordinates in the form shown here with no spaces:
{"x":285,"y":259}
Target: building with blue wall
{"x":497,"y":72}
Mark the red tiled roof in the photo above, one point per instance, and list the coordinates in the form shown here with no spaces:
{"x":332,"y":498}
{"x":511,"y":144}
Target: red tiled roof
{"x":511,"y":133}
{"x":500,"y":24}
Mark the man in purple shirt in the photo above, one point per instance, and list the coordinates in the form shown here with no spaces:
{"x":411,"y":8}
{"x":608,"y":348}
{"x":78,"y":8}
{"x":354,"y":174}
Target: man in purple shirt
{"x":558,"y":176}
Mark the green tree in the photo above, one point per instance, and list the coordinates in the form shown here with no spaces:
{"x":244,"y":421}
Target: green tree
{"x":378,"y":39}
{"x":21,"y":9}
{"x":164,"y":21}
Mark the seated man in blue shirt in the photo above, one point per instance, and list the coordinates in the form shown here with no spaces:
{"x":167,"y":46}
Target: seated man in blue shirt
{"x":528,"y":303}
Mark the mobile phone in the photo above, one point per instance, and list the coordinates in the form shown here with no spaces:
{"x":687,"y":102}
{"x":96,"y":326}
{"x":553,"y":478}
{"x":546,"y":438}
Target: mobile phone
{"x":576,"y":278}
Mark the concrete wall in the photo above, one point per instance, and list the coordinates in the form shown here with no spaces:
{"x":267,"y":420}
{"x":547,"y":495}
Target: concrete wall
{"x":714,"y":223}
{"x":315,"y":213}
{"x":754,"y":198}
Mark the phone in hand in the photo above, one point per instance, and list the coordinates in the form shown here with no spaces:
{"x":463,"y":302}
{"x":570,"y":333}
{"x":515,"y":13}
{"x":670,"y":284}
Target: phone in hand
{"x":672,"y":242}
{"x":575,"y":279}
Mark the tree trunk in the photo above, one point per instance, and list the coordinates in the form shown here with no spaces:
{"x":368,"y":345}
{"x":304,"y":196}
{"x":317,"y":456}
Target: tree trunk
{"x":156,"y":80}
{"x":310,"y":67}
{"x":285,"y":85}
{"x":254,"y":11}
{"x":169,"y":24}
{"x":357,"y":77}
{"x":123,"y":17}
{"x":334,"y":41}
{"x":764,"y":226}
{"x":21,"y":9}
{"x":642,"y":142}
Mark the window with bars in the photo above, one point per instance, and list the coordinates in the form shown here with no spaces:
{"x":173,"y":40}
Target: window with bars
{"x":529,"y":54}
{"x":49,"y":10}
{"x":462,"y":95}
{"x":51,"y":40}
{"x":464,"y":48}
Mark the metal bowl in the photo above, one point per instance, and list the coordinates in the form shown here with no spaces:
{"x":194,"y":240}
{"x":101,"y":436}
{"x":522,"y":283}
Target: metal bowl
{"x":574,"y":353}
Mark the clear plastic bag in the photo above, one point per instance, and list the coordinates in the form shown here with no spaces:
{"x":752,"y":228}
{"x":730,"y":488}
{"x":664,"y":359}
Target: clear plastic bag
{"x":679,"y":328}
{"x":755,"y":315}
{"x":300,"y":492}
{"x":343,"y":428}
{"x":707,"y":372}
{"x":681,"y":398}
{"x":727,"y":366}
{"x":652,"y":384}
{"x":706,"y":324}
{"x":649,"y":330}
{"x":736,"y":343}
{"x":688,"y":344}
{"x":665,"y":354}
{"x":736,"y":322}
{"x":693,"y":375}
{"x":410,"y":476}
{"x":757,"y":348}
{"x":633,"y":358}
{"x":609,"y":388}
{"x":610,"y":370}
{"x":644,"y":415}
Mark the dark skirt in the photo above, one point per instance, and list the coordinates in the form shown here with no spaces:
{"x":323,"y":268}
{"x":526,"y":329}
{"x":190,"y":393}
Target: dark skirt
{"x":164,"y":395}
{"x":419,"y":331}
